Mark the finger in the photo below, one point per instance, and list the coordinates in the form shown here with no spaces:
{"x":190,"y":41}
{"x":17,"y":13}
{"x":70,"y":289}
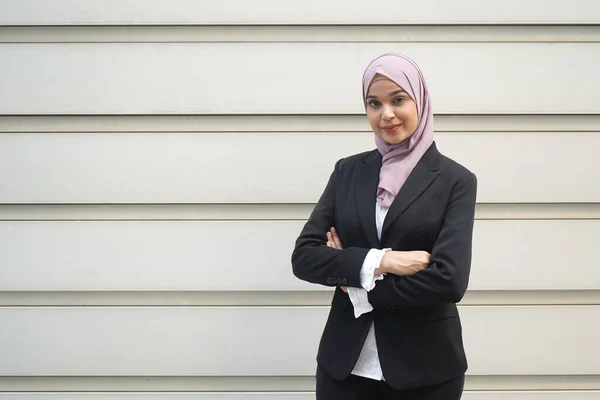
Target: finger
{"x":344,"y":289}
{"x":422,"y":257}
{"x":330,"y":241}
{"x":336,"y":239}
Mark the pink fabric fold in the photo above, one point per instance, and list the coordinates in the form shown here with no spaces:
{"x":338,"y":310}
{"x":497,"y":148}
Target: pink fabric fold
{"x":400,"y":159}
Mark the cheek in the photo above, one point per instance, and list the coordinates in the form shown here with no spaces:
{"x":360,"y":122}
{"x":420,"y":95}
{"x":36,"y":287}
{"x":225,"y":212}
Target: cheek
{"x":411,"y":117}
{"x":415,"y":115}
{"x":373,"y":118}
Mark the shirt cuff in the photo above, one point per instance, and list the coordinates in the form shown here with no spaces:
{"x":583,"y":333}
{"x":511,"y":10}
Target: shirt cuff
{"x":367,"y":272}
{"x":360,"y":301}
{"x":358,"y":296}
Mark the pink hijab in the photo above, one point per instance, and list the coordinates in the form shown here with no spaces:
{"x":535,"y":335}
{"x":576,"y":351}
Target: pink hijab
{"x":400,"y":159}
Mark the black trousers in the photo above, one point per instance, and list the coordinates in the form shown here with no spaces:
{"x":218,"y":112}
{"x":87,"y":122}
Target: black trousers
{"x":358,"y":388}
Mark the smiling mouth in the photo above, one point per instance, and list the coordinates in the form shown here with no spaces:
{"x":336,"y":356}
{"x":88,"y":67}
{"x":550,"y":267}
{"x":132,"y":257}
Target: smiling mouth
{"x":391,"y":128}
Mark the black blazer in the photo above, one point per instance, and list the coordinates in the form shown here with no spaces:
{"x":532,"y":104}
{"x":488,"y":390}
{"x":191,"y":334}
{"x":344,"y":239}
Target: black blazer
{"x":417,"y":326}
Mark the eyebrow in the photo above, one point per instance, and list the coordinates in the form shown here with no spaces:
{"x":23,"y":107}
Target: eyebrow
{"x":394,"y":93}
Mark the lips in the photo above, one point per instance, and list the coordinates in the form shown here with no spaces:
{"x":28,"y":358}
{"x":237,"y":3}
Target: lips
{"x":390,"y":128}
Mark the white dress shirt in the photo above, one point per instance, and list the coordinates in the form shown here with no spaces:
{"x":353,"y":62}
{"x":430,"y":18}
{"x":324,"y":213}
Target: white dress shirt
{"x":368,"y":365}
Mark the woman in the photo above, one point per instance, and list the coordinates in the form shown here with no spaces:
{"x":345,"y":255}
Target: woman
{"x":392,"y":232}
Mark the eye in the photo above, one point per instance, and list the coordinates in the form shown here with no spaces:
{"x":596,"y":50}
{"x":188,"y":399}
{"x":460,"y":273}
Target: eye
{"x":399,"y":100}
{"x":374,"y":104}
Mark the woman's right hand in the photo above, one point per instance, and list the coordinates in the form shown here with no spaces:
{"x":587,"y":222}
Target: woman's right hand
{"x":403,"y":262}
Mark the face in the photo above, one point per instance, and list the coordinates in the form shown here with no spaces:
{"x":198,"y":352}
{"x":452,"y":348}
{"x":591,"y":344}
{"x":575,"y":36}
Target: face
{"x":392,"y":114}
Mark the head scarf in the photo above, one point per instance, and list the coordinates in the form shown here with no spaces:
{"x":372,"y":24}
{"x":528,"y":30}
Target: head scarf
{"x":400,"y":159}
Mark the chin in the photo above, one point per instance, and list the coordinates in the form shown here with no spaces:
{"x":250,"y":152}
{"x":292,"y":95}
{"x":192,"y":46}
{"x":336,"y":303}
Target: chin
{"x":394,"y":139}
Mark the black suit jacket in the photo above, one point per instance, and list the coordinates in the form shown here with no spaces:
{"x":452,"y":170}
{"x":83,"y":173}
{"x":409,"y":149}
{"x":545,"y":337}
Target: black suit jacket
{"x":417,"y":326}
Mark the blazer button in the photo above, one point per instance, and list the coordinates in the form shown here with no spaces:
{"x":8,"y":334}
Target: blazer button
{"x":330,"y":280}
{"x":344,"y":281}
{"x":339,"y":281}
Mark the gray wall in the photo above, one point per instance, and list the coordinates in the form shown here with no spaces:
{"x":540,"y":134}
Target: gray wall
{"x":158,"y":159}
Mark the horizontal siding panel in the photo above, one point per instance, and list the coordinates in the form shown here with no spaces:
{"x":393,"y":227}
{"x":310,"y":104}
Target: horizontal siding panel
{"x":547,"y":395}
{"x":96,"y":12}
{"x":205,"y":78}
{"x":512,"y":167}
{"x":509,"y":395}
{"x":264,"y":211}
{"x":299,"y":33}
{"x":164,"y":396}
{"x":288,"y":123}
{"x":272,"y":384}
{"x":258,"y":341}
{"x":271,"y":298}
{"x":187,"y":255}
{"x":518,"y":255}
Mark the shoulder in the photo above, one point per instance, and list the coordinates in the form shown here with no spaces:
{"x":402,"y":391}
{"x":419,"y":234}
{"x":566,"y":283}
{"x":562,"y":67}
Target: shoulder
{"x":456,"y":172}
{"x":350,"y":162}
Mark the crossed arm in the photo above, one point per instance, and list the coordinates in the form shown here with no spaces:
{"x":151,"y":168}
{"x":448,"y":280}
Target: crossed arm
{"x":413,"y":278}
{"x":419,"y":278}
{"x":401,"y":263}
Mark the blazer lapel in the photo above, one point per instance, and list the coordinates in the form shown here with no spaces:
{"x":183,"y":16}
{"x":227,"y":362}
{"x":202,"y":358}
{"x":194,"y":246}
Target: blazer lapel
{"x":367,"y":178}
{"x":423,"y":175}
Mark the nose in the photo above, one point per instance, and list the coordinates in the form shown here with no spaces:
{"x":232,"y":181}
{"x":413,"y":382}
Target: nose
{"x":387,"y":113}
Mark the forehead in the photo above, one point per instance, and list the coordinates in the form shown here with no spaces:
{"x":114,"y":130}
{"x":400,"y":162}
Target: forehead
{"x":381,"y":85}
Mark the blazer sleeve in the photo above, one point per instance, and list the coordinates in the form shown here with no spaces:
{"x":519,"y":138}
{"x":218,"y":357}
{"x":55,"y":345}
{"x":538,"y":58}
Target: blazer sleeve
{"x":312,"y":260}
{"x":447,"y":277}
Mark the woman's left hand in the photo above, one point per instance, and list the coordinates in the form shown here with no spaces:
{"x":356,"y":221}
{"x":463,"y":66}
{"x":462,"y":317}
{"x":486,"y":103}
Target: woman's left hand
{"x":333,"y":241}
